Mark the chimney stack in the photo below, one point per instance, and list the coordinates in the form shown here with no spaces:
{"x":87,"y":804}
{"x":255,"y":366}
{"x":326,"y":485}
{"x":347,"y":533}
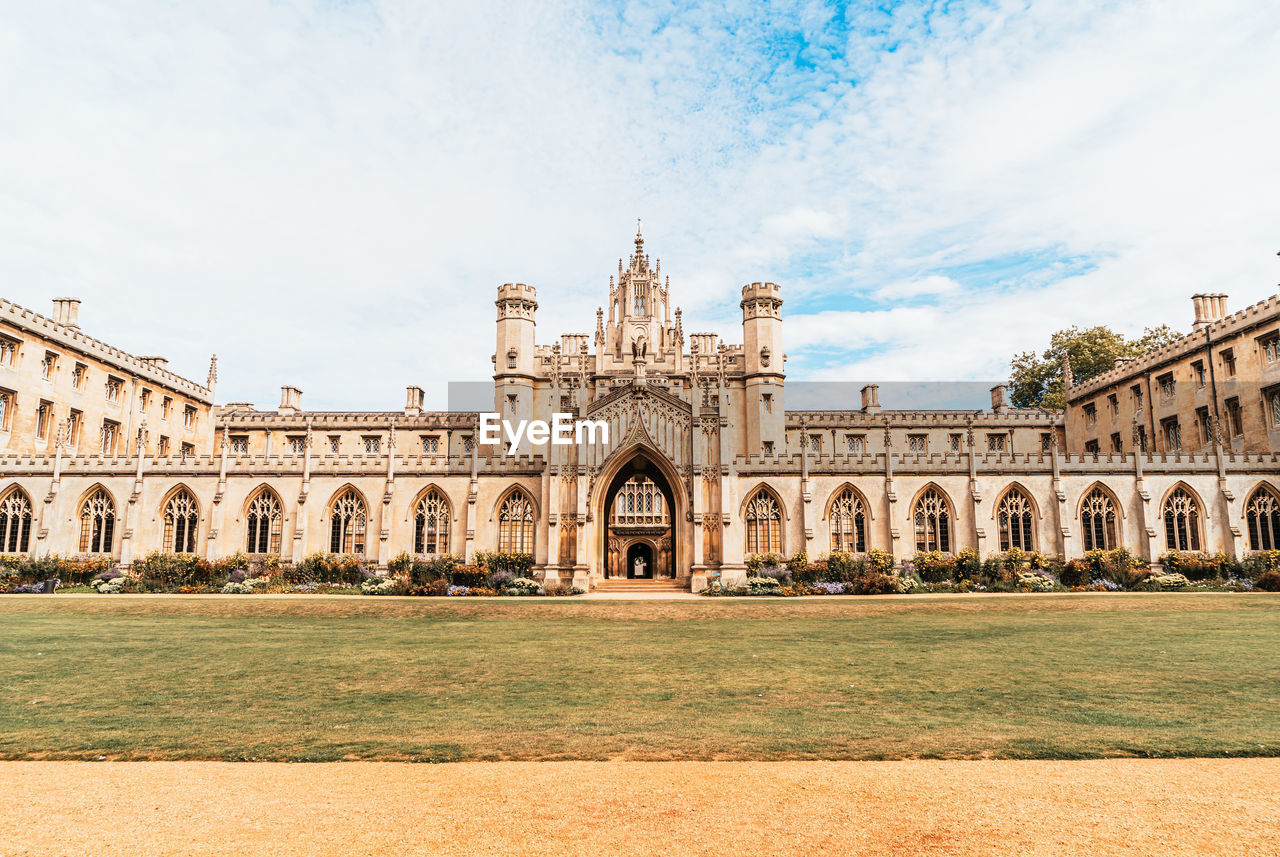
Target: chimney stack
{"x":66,"y":311}
{"x":871,"y":399}
{"x":1209,"y":308}
{"x":290,"y":400}
{"x":413,"y":401}
{"x":998,"y":403}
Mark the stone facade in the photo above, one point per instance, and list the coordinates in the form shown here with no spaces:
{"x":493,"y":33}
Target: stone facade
{"x":703,"y":465}
{"x":1219,"y":385}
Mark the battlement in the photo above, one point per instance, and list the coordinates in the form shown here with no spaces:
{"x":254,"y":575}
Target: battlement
{"x":923,"y":419}
{"x":1263,"y":312}
{"x":762,"y":290}
{"x":517,"y":291}
{"x":67,"y":333}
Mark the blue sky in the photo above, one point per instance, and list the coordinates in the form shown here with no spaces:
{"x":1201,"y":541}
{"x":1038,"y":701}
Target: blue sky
{"x":326,"y":194}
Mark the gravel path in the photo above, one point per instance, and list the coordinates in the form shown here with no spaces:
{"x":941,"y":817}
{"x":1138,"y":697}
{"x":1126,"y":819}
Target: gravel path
{"x":1098,"y":808}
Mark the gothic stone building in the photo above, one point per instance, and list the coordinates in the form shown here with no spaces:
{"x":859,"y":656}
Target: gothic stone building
{"x":103,"y":452}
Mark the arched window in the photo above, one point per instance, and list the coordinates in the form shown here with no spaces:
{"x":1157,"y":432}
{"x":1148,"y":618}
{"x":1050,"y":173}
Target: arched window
{"x":515,"y":524}
{"x":431,"y":524}
{"x":180,"y":519}
{"x":848,"y":523}
{"x":764,"y":524}
{"x":346,"y":529}
{"x":1098,"y":517}
{"x":1013,"y":516}
{"x":265,"y":520}
{"x":1262,"y":513}
{"x":97,"y":523}
{"x":15,"y":521}
{"x":933,"y":522}
{"x":637,"y":503}
{"x":1181,"y":515}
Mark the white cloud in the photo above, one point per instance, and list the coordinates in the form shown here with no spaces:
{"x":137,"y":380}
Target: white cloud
{"x":327,"y":194}
{"x":934,"y":284}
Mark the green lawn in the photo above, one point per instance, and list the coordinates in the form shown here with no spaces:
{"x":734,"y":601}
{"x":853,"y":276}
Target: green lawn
{"x":174,"y":677}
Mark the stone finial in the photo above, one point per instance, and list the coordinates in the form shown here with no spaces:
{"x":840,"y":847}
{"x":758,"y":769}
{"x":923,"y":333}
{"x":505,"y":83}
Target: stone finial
{"x":211,"y":380}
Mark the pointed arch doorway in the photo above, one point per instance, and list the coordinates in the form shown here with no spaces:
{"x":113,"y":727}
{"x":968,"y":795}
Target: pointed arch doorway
{"x":640,"y":512}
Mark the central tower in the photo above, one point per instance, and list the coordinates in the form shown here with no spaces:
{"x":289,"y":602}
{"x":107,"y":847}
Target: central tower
{"x":639,"y":308}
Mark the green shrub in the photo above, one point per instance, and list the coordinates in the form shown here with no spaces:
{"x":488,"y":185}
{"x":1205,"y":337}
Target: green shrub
{"x":383,"y":586}
{"x":1268,"y":581}
{"x":813,"y":572}
{"x":993,"y":569}
{"x":763,"y":586}
{"x":174,"y":570}
{"x":330,"y":568}
{"x":521,"y":586}
{"x":845,"y":567}
{"x":16,"y":569}
{"x":880,"y":560}
{"x":515,"y":564}
{"x":934,"y":566}
{"x":1032,"y":582}
{"x":1076,"y":572}
{"x":877,"y":583}
{"x":468,"y":576}
{"x":967,"y":565}
{"x":1199,"y":566}
{"x":421,"y":571}
{"x":1258,"y":562}
{"x":1170,"y":581}
{"x":758,"y":561}
{"x":1119,"y":566}
{"x":558,"y":589}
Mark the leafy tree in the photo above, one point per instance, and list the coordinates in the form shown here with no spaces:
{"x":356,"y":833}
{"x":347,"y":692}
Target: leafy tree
{"x":1035,"y":380}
